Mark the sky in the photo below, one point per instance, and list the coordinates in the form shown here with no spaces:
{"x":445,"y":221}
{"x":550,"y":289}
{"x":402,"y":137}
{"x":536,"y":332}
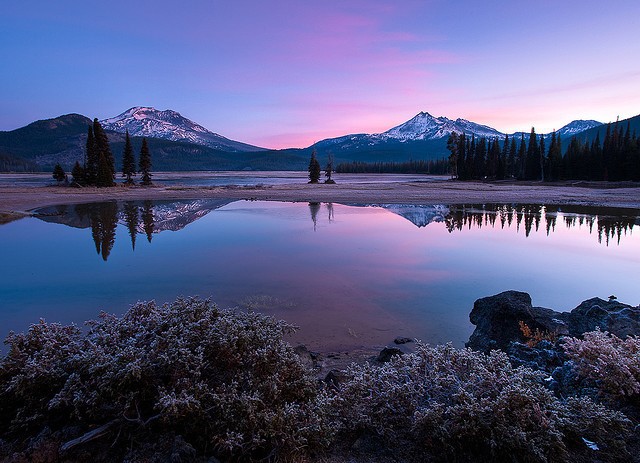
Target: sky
{"x":288,"y":73}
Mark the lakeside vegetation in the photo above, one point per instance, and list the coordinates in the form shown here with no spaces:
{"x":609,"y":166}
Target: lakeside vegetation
{"x":188,"y":380}
{"x":617,"y":158}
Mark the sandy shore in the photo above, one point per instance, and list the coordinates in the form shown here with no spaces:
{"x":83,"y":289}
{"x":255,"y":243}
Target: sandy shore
{"x":17,"y":201}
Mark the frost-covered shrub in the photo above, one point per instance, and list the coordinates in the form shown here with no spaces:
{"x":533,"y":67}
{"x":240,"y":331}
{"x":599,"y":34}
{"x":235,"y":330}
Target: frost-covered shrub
{"x":226,"y":381}
{"x":446,"y":403}
{"x":613,"y":363}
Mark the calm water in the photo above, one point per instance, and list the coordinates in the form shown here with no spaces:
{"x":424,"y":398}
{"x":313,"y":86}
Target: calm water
{"x":349,"y":276}
{"x":191,"y":179}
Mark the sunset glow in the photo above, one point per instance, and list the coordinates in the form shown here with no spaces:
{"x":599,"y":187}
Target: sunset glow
{"x":288,"y":73}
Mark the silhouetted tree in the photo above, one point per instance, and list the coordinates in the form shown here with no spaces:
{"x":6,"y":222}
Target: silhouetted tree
{"x":147,"y":219}
{"x":145,"y":163}
{"x":58,"y":173}
{"x":106,"y":167}
{"x":131,"y":217}
{"x":314,"y":168}
{"x":91,"y":159}
{"x":77,"y":174}
{"x":328,"y":170}
{"x":314,"y":208}
{"x":128,"y":161}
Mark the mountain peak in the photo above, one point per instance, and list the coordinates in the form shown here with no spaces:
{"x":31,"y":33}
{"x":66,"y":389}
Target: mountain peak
{"x":146,"y":121}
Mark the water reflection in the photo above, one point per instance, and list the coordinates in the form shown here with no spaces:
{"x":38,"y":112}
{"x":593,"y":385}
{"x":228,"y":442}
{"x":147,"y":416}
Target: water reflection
{"x":140,"y":217}
{"x":151,"y":217}
{"x":610,"y":223}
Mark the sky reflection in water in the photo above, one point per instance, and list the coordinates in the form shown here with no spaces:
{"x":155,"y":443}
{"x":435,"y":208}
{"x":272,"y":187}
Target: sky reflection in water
{"x":349,"y":276}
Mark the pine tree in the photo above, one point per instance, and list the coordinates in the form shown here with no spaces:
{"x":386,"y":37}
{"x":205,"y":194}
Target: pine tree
{"x":328,"y":170}
{"x":131,"y":214}
{"x":77,"y":174}
{"x":103,"y":150}
{"x":128,"y":161}
{"x":532,"y":165}
{"x":104,"y":172}
{"x":145,"y":163}
{"x":452,"y":146}
{"x":543,"y":158}
{"x":314,"y":168}
{"x":91,"y":160}
{"x":522,"y":159}
{"x":511,"y":160}
{"x":555,"y":159}
{"x":58,"y":173}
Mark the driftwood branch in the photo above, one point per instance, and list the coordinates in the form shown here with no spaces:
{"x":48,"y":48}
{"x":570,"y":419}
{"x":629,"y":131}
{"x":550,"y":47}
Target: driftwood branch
{"x":87,"y":437}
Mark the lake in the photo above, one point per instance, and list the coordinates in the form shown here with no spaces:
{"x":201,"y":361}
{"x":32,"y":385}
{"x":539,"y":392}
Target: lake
{"x":226,"y":178}
{"x":347,"y":275}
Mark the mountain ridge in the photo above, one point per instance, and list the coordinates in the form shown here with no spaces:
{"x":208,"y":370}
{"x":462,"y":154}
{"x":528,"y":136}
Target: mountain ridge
{"x":146,"y":121}
{"x":171,"y":138}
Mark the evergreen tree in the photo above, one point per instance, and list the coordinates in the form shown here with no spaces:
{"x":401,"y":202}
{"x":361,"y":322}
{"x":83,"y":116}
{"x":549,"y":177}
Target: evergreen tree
{"x":314,"y":168}
{"x":77,"y":174}
{"x":128,"y":161}
{"x":103,"y":150}
{"x":328,"y":170}
{"x":555,"y":159}
{"x":104,"y":172}
{"x":131,"y":217}
{"x":462,"y":154}
{"x":532,"y":165}
{"x":91,"y":162}
{"x":511,"y":160}
{"x":58,"y":173}
{"x":145,"y":163}
{"x":522,"y":159}
{"x":452,"y":146}
{"x":543,"y":159}
{"x":148,"y":219}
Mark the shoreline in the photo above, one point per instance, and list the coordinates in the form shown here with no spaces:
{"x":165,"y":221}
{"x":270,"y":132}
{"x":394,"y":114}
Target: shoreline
{"x":19,"y":201}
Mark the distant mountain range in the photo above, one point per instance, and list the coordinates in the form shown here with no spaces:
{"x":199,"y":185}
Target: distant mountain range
{"x":177,"y":143}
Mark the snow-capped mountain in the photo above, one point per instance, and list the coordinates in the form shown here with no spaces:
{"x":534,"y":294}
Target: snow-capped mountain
{"x":426,"y":128}
{"x":170,"y":125}
{"x":576,"y":127}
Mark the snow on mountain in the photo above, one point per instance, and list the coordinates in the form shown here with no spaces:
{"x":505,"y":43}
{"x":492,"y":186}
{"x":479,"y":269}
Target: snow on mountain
{"x":170,"y":125}
{"x":576,"y":127}
{"x":424,"y":126}
{"x":419,"y":215}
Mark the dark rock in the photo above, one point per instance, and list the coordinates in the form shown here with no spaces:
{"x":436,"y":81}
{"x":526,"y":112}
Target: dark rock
{"x":612,"y":316}
{"x":309,"y":359}
{"x":497,"y":319}
{"x":545,"y":356}
{"x":401,"y":340}
{"x":387,"y":353}
{"x":335,"y":377}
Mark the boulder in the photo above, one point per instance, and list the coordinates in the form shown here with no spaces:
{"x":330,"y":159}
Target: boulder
{"x":620,"y":319}
{"x":497,"y":319}
{"x":387,"y":353}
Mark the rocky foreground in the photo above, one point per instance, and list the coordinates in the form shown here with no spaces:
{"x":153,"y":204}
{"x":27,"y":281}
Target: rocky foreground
{"x":190,"y":382}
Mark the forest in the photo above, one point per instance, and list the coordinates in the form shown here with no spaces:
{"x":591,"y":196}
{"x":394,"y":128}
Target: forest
{"x":616,"y":158}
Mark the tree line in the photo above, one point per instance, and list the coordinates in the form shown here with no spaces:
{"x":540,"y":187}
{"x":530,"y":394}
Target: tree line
{"x":433,"y":167}
{"x":617,"y":158}
{"x":98,"y":168}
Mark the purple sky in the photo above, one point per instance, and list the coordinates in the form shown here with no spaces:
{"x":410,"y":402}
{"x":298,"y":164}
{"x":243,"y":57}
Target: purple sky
{"x":287,"y":73}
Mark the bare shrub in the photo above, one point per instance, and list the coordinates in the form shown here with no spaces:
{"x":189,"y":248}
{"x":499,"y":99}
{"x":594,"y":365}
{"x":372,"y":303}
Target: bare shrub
{"x":443,"y":403}
{"x":613,"y":363}
{"x":224,"y":380}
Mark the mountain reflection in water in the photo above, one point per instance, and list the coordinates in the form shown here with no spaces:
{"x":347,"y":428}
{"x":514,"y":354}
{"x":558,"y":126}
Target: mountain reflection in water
{"x":150,"y":217}
{"x":140,"y":217}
